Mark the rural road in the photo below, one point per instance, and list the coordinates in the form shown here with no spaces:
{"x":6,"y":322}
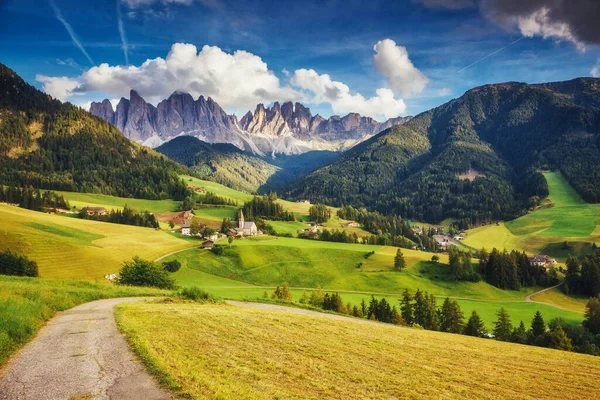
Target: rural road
{"x":79,"y":355}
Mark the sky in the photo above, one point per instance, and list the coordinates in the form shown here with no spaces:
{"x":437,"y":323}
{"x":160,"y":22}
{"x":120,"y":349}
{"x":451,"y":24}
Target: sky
{"x":378,"y":58}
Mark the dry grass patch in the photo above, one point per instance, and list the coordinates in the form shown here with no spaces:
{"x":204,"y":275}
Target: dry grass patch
{"x":229,"y":352}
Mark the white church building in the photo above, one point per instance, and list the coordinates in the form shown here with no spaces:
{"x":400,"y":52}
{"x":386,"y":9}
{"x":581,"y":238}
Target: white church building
{"x":245,"y":228}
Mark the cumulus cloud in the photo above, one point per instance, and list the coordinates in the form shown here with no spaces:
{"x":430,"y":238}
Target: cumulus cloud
{"x":392,"y":62}
{"x":326,"y":90}
{"x":575,"y":21}
{"x":237,"y":80}
{"x":240,"y":80}
{"x":448,"y":4}
{"x":444,"y":92}
{"x":60,"y":87}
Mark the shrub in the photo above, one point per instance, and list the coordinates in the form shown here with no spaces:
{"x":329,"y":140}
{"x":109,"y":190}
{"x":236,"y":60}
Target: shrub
{"x":140,"y":272}
{"x":196,"y":294}
{"x":172,"y":266}
{"x":14,"y":264}
{"x":217,"y":250}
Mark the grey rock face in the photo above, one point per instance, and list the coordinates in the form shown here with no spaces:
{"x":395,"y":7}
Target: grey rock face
{"x":287,"y":128}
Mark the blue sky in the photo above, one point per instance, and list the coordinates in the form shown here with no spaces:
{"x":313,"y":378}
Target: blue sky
{"x":320,"y":53}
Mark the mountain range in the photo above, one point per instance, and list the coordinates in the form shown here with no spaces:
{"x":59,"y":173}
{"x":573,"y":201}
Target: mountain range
{"x":475,"y":159}
{"x":281,"y":129}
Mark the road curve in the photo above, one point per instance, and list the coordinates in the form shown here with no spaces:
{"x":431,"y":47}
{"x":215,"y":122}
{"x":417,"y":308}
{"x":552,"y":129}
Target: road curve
{"x":79,"y":354}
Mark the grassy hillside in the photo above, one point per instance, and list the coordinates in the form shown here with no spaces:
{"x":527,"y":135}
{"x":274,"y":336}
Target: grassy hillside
{"x":50,"y":145}
{"x":81,"y":200}
{"x":26,"y":303}
{"x":73,"y":248}
{"x":545,"y":230}
{"x":222,"y":351}
{"x":248,"y":268}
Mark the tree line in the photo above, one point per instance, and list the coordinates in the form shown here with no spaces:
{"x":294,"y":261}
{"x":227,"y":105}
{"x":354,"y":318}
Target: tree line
{"x":514,"y":270}
{"x":127,"y":216}
{"x":583,"y":277}
{"x":266,"y":207}
{"x":421,"y":311}
{"x":32,"y":199}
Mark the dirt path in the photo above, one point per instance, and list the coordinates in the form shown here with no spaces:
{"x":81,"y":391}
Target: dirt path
{"x":529,"y":296}
{"x":80,"y":354}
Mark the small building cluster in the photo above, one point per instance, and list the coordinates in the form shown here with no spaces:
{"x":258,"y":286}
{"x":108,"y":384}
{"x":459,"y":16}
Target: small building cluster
{"x":95,"y":211}
{"x":542,"y":260}
{"x":351,"y":224}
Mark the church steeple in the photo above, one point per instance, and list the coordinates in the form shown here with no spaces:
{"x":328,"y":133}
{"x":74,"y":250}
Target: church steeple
{"x":241,"y":220}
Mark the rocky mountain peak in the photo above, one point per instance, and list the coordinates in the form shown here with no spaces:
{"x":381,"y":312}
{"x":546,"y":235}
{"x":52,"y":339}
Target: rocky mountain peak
{"x":282,"y":128}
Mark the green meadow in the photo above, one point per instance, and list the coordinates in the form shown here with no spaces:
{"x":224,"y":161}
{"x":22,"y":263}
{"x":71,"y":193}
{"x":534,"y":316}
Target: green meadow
{"x":81,"y":200}
{"x":79,"y":249}
{"x":545,"y":230}
{"x":248,"y":268}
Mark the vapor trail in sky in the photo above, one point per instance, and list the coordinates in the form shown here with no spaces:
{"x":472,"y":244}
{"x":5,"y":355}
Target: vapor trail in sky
{"x":125,"y":46}
{"x":491,"y":54}
{"x":70,"y":30}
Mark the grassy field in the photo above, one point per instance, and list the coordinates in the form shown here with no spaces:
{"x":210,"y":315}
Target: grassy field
{"x":81,"y":200}
{"x":218,"y":189}
{"x":248,"y":268}
{"x":559,"y":299}
{"x":79,"y":249}
{"x":545,"y":230}
{"x":229,"y":352}
{"x":214,"y":216}
{"x":26,"y":303}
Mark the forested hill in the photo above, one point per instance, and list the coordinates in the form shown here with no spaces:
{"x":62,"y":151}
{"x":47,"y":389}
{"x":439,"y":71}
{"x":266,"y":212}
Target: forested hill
{"x":475,"y":158}
{"x":226,"y":164}
{"x":52,"y":145}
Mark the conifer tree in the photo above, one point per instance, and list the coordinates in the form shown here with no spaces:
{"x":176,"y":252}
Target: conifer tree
{"x":399,"y":262}
{"x":520,"y":334}
{"x":538,"y":327}
{"x":406,"y":307}
{"x":475,"y":326}
{"x":503,"y":326}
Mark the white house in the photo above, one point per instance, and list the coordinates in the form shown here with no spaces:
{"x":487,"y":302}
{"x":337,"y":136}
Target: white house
{"x":185,"y":229}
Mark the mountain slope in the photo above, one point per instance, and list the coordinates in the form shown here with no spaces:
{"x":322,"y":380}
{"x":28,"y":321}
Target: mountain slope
{"x":475,"y":158}
{"x":226,"y":164}
{"x":281,"y":129}
{"x":51,"y":145}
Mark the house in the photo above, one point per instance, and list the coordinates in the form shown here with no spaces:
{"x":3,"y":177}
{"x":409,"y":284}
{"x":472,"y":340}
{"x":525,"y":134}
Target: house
{"x":245,"y":228}
{"x":93,"y":211}
{"x":185,"y":229}
{"x":442,"y":241}
{"x":111,"y":277}
{"x":418,"y":231}
{"x":459,"y":237}
{"x":214,"y":237}
{"x":312,"y":223}
{"x":208,"y":244}
{"x":305,"y":201}
{"x":542,"y":260}
{"x":351,"y":224}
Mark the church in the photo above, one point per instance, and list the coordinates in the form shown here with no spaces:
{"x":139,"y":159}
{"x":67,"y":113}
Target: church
{"x":245,"y":228}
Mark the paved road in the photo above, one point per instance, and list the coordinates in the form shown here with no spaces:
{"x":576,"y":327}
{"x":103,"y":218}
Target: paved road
{"x":79,"y":355}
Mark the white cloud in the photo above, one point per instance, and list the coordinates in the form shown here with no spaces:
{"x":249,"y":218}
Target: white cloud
{"x":539,"y":24}
{"x":444,"y":92}
{"x":392,"y":62}
{"x":325,"y":90}
{"x":60,"y":87}
{"x":595,"y":72}
{"x":238,"y":80}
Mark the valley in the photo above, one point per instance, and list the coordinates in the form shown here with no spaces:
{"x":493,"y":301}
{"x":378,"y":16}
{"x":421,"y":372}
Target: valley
{"x":284,"y":242}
